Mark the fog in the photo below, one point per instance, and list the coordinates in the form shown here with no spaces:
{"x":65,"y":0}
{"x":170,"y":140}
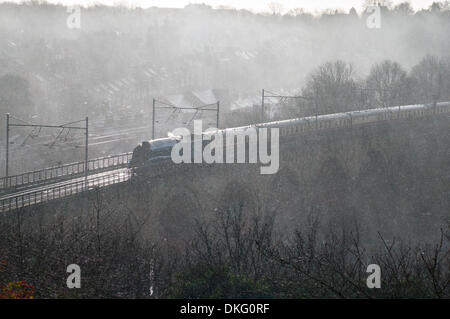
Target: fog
{"x":171,"y":51}
{"x":345,"y":188}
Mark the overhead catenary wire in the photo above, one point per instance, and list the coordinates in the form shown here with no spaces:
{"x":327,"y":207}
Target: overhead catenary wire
{"x":65,"y":126}
{"x":283,"y":98}
{"x":178,"y":109}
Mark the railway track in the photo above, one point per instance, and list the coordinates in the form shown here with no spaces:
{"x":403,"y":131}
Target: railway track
{"x":58,"y":182}
{"x":24,"y":181}
{"x":44,"y":193}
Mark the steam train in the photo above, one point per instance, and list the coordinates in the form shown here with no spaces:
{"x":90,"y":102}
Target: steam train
{"x":158,"y":151}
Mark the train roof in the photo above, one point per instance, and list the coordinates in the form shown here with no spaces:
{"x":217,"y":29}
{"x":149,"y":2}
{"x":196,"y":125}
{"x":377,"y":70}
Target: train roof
{"x":164,"y":142}
{"x":347,"y":114}
{"x":170,"y":141}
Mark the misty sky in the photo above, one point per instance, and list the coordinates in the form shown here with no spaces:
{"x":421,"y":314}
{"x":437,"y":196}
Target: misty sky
{"x":254,"y":5}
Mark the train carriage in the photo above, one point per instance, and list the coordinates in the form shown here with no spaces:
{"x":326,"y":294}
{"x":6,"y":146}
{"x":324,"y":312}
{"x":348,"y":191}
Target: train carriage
{"x":159,"y":150}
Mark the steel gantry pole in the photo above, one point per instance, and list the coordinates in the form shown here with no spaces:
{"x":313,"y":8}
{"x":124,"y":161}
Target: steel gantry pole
{"x":316,"y":106}
{"x":86,"y":166}
{"x":7,"y":150}
{"x":217,"y":119}
{"x":262,"y":106}
{"x":153,"y":120}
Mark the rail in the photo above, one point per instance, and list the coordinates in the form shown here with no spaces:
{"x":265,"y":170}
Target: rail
{"x":66,"y":171}
{"x":60,"y":191}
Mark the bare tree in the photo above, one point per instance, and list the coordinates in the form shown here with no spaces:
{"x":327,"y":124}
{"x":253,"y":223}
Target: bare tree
{"x":276,"y":8}
{"x":332,"y":87}
{"x":404,"y":8}
{"x":429,"y":76}
{"x":388,"y":84}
